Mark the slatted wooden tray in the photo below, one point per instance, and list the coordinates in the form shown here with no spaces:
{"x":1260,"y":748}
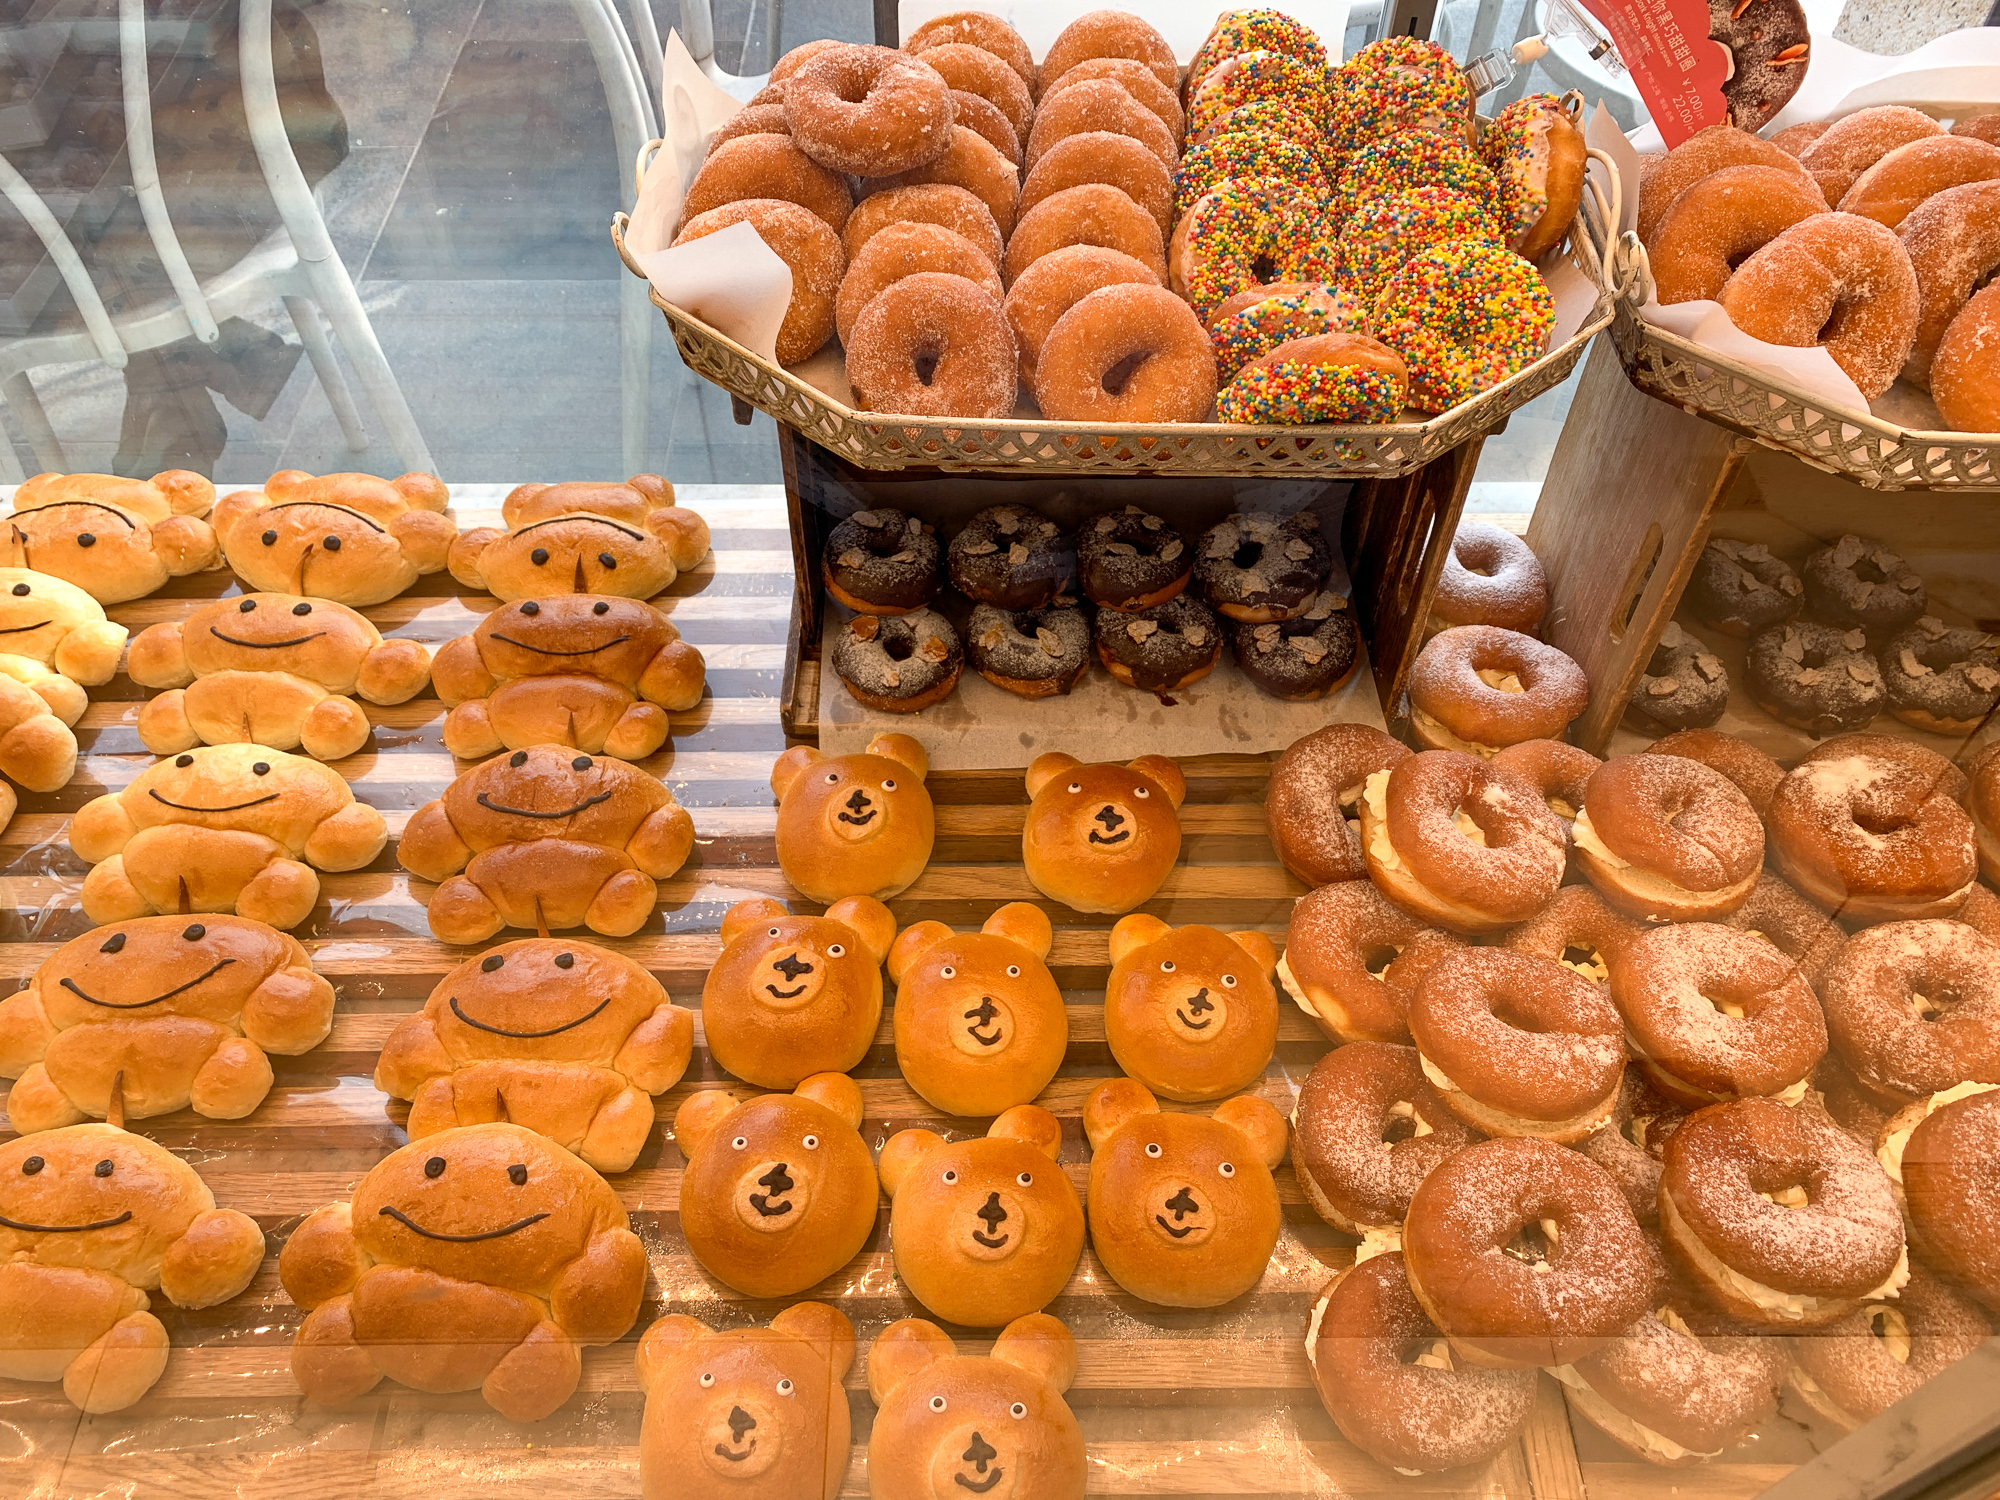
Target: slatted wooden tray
{"x":1172,"y":1403}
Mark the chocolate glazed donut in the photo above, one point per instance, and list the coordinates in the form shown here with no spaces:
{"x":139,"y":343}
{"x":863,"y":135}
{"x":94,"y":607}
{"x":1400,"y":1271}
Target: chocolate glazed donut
{"x":1353,"y":961}
{"x":1366,"y":1130}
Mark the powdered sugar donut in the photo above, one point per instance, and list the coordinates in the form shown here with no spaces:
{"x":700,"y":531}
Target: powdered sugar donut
{"x":1491,"y":577}
{"x":1580,"y":930}
{"x":1557,"y":770}
{"x":1755,"y":774}
{"x":1982,"y":801}
{"x":1667,"y":838}
{"x":1477,"y":688}
{"x":1311,"y":802}
{"x":1630,"y":1144}
{"x":1792,"y":924}
{"x":1914,"y":1008}
{"x":1858,"y":1366}
{"x":1946,"y":1168}
{"x":1352,"y":961}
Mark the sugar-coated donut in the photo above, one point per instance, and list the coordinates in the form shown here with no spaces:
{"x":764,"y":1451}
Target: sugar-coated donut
{"x":1719,"y":221}
{"x":1303,"y":658}
{"x":752,"y":119}
{"x":1896,"y":184}
{"x":1328,"y":377}
{"x":1701,"y":155}
{"x":1032,"y":653}
{"x":971,"y":112}
{"x":1109,"y":33}
{"x":970,"y":162}
{"x":1739,"y":588}
{"x":869,"y":111}
{"x":1946,"y":1169}
{"x":1537,"y":152}
{"x":1914,"y":1008}
{"x":1557,"y":770}
{"x":1353,"y":961}
{"x":1250,"y":77}
{"x":1965,"y":376}
{"x":1525,"y":1253}
{"x":897,"y":664}
{"x":1798,"y":929}
{"x":1145,"y":339}
{"x":900,"y":250}
{"x":1367,"y":1128}
{"x":1244,"y":234}
{"x":1756,"y":775}
{"x":1630,"y":1144}
{"x":1857,"y":1367}
{"x":1837,"y":281}
{"x":1953,"y":240}
{"x":1518,"y":1045}
{"x":1869,"y":826}
{"x":1795,"y":138}
{"x":1666,"y":838}
{"x":1092,"y":213}
{"x":1778,"y":1215}
{"x":1103,"y":156}
{"x":1137,"y":80}
{"x":1714,"y":1014}
{"x":882,"y":562}
{"x":768,"y":166}
{"x":1478,"y":688}
{"x":1406,"y":159}
{"x":1256,"y":30}
{"x":1257,"y":565}
{"x":1055,"y":282}
{"x":1465,"y":316}
{"x":1162,"y":648}
{"x":1490,"y":577}
{"x":929,"y":203}
{"x":1189,"y":1011}
{"x":976,"y":28}
{"x":1580,"y":930}
{"x":1311,"y":804}
{"x":1101,"y":838}
{"x":1097,"y":104}
{"x":1984,"y":126}
{"x":1415,"y":1415}
{"x":1254,"y":322}
{"x":1494,"y":873}
{"x":1942,"y":679}
{"x":799,"y":56}
{"x":977,"y":71}
{"x":934,"y":345}
{"x":1845,"y":148}
{"x":1131,"y":559}
{"x":854,"y":825}
{"x":1397,"y":83}
{"x":1011,"y":556}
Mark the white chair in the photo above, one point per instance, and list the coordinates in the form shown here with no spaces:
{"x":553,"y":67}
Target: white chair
{"x":296,"y":264}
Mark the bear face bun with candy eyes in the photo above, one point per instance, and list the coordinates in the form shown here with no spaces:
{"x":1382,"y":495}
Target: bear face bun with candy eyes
{"x":271,"y":669}
{"x":854,"y":825}
{"x":779,"y":1191}
{"x":948,"y":1425}
{"x":1102,"y":838}
{"x":568,"y":1039}
{"x":793,"y":996}
{"x":116,"y":539}
{"x":1190,"y":1012}
{"x":746,"y":1413}
{"x":623,"y":539}
{"x":980,"y":1024}
{"x":351,"y":538}
{"x":984,"y":1230}
{"x":1183,"y":1209}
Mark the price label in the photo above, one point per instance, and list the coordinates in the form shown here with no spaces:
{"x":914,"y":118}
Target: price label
{"x":1679,"y":71}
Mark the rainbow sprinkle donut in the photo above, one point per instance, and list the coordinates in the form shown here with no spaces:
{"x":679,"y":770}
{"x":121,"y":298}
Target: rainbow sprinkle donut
{"x":1251,"y":76}
{"x":1525,"y":146}
{"x":1255,"y":331}
{"x":1272,"y":117}
{"x":1244,"y":234}
{"x":1398,"y":83}
{"x":1239,"y":31}
{"x":1336,"y":377}
{"x":1245,"y":157}
{"x":1380,"y":236}
{"x":1406,"y":159}
{"x":1464,"y":316}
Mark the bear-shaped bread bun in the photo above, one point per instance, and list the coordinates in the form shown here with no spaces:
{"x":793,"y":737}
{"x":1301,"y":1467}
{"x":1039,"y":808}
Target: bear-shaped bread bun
{"x":779,"y":1191}
{"x":222,"y":828}
{"x":270,"y":669}
{"x":854,"y":825}
{"x":984,"y":1230}
{"x":793,"y":996}
{"x":625,"y":539}
{"x":565,"y":1038}
{"x":116,"y":539}
{"x":1101,"y":838}
{"x":948,"y":1425}
{"x":1183,"y":1211}
{"x":1190,"y":1012}
{"x":51,"y":629}
{"x":596,"y":672}
{"x":549,"y":839}
{"x":980,"y":1024}
{"x":180,"y":1011}
{"x":92,"y":1218}
{"x":478,"y":1259}
{"x":746,"y":1413}
{"x":352,"y":538}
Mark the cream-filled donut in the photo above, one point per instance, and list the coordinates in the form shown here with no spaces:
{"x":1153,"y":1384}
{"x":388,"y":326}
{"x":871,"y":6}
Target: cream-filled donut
{"x":1631,"y":1141}
{"x":1479,"y":688}
{"x":1312,"y":804}
{"x":1664,"y":837}
{"x":1580,"y":930}
{"x":1858,"y":1366}
{"x":1558,"y":770}
{"x":1756,"y":775}
{"x":1945,"y":1164}
{"x":1914,"y":1008}
{"x":1353,"y":960}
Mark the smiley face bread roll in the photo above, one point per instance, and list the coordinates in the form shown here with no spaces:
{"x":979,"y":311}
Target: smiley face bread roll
{"x":628,"y":540}
{"x":984,"y":1230}
{"x":116,"y":539}
{"x":854,"y":825}
{"x":980,"y":1024}
{"x":1190,"y":1012}
{"x":644,"y":500}
{"x":351,"y":538}
{"x":746,"y":1413}
{"x":1102,"y":838}
{"x":779,"y":1191}
{"x":793,"y":996}
{"x":56,"y":636}
{"x":177,"y":1012}
{"x":568,"y":1039}
{"x":1183,"y":1209}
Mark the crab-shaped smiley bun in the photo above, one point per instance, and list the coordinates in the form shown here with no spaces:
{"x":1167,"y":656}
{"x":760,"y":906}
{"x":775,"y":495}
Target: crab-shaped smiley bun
{"x":92,"y":1218}
{"x":552,"y":550}
{"x":1190,"y":1012}
{"x":854,"y":825}
{"x":746,"y":1413}
{"x":54,"y":636}
{"x":563,"y":1037}
{"x":644,"y":500}
{"x":988,"y":1229}
{"x":221,"y":828}
{"x":116,"y":539}
{"x":351,"y":538}
{"x":175,"y":1012}
{"x":479,"y":1259}
{"x":1101,"y":838}
{"x":546,"y":838}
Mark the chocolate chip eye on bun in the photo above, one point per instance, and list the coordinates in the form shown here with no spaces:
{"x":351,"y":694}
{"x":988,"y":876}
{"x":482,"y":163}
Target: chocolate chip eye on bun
{"x":1518,"y":1045}
{"x":1311,"y":805}
{"x":1524,"y":1253}
{"x":1460,"y":843}
{"x":1664,"y":837}
{"x":1778,"y":1215}
{"x":1353,"y":961}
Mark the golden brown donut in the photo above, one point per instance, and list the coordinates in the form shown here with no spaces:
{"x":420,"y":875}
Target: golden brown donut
{"x":768,"y":166}
{"x":1312,"y":801}
{"x":1845,"y":148}
{"x":1965,"y":377}
{"x":1946,"y":1169}
{"x":1702,"y":155}
{"x":810,"y":250}
{"x":1518,"y":1045}
{"x":1756,"y":775}
{"x":1189,"y":1011}
{"x":970,"y":162}
{"x":1837,"y":281}
{"x":1850,"y":1106}
{"x":1795,"y":138}
{"x":1779,"y":1216}
{"x":976,"y":28}
{"x":869,"y":111}
{"x":929,"y":203}
{"x":1524,"y":1253}
{"x":1490,"y":578}
{"x":1353,"y":961}
{"x":799,"y":56}
{"x":1089,"y":214}
{"x":1904,"y":178}
{"x":752,"y":119}
{"x":1984,"y":126}
{"x":1143,"y":337}
{"x":1667,"y":838}
{"x":1857,"y":1367}
{"x":1136,"y":79}
{"x":1108,"y":33}
{"x":1580,"y":930}
{"x":1556,"y":769}
{"x":900,"y":250}
{"x":1094,"y":105}
{"x":1914,"y":1008}
{"x":1982,"y":801}
{"x":854,"y":825}
{"x":1478,"y":688}
{"x":1721,"y":220}
{"x":1715,"y":1014}
{"x":934,"y":344}
{"x":1497,"y":867}
{"x":970,"y":112}
{"x":975,"y":70}
{"x":1103,"y":156}
{"x":1056,"y":282}
{"x":1101,"y":838}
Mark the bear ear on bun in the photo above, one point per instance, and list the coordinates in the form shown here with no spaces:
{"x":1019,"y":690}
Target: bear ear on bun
{"x":1029,"y":1124}
{"x":1130,"y":934}
{"x":905,"y":1348}
{"x":835,"y":1092}
{"x":1045,"y":768}
{"x":667,"y":1338}
{"x":1164,"y":773}
{"x":795,"y":762}
{"x":1033,"y":1126}
{"x":1259,"y":1123}
{"x":1024,"y":923}
{"x":696,"y":1119}
{"x":1041,"y":1345}
{"x":900,"y":1155}
{"x":1263,"y":952}
{"x":1112,"y":1104}
{"x":823,"y":1327}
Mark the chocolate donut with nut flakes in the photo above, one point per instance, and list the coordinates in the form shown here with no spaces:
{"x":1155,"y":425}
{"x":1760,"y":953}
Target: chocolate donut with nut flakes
{"x":1168,"y":646}
{"x":1035,"y":653}
{"x":1739,"y":587}
{"x":898,"y":664}
{"x":1858,"y":582}
{"x":1819,"y":678}
{"x":1684,"y":686}
{"x":1012,"y":557}
{"x":1941,"y":679}
{"x":882,"y":562}
{"x":1258,"y":567}
{"x":1130,"y":559}
{"x":1303,"y":658}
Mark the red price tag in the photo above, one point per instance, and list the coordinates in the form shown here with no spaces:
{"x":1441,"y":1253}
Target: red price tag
{"x":1678,"y":69}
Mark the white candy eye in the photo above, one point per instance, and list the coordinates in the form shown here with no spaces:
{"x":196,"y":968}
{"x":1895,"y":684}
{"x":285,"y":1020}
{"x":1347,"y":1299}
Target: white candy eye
{"x":1026,"y":1179}
{"x":1153,"y":1148}
{"x":784,"y":1388}
{"x":937,"y":1403}
{"x":1076,"y":786}
{"x":1013,"y":971}
{"x":811,"y":1143}
{"x":888,"y":786}
{"x":1227,"y":1169}
{"x":770,"y":932}
{"x":1229,"y":981}
{"x":1017,"y":1411}
{"x":707,"y":1381}
{"x":950,"y":1178}
{"x":1141,"y":792}
{"x":1166,"y":966}
{"x":947,"y":972}
{"x":838,"y":950}
{"x":740,"y":1142}
{"x":832,"y":777}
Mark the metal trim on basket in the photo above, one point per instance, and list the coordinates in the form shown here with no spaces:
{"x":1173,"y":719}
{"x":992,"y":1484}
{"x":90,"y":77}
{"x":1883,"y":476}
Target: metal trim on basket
{"x":873,"y":440}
